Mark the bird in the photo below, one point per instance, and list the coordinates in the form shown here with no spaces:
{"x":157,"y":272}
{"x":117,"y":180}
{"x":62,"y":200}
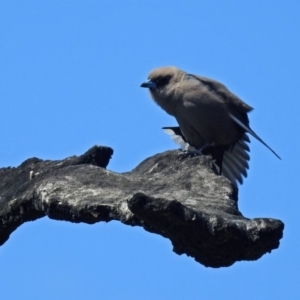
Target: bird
{"x":212,"y":120}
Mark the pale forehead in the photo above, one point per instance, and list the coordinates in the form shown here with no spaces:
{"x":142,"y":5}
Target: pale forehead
{"x":163,"y":71}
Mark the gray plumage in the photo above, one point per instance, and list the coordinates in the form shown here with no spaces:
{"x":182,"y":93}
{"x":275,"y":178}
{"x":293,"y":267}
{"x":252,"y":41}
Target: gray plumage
{"x":210,"y":118}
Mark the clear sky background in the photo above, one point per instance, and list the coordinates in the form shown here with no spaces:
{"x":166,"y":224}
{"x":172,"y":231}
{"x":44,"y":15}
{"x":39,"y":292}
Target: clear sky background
{"x":70,"y":75}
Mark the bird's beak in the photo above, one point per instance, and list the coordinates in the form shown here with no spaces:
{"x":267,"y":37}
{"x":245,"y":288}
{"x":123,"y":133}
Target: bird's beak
{"x":149,"y":84}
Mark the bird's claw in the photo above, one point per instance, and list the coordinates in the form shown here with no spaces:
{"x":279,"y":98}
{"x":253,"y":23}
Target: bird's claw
{"x":185,"y":154}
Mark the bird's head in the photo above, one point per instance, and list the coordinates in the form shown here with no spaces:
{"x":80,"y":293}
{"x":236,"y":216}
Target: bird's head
{"x":162,"y":80}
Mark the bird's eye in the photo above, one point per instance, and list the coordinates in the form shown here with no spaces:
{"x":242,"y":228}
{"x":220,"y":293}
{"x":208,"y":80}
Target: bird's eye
{"x":162,"y":81}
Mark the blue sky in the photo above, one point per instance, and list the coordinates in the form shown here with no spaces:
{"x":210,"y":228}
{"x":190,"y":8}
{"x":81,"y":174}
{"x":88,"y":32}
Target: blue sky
{"x":70,"y":73}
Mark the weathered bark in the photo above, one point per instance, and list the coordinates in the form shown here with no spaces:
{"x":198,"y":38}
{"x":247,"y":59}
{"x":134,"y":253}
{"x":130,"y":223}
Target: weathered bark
{"x":180,"y":199}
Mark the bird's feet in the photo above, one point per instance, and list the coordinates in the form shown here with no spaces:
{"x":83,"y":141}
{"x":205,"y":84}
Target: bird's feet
{"x":192,"y":153}
{"x":186,"y":153}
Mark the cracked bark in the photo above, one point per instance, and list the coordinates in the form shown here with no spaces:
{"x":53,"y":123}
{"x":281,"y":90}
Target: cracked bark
{"x":182,"y":200}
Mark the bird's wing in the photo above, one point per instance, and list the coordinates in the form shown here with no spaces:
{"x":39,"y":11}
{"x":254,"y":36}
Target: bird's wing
{"x":249,"y":130}
{"x":237,"y":108}
{"x":221,"y":90}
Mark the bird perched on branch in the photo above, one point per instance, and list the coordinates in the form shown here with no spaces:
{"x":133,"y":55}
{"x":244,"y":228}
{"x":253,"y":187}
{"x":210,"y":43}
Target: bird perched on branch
{"x":211,"y":119}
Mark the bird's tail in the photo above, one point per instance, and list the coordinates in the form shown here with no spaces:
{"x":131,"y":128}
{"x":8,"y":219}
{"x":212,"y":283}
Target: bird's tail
{"x":235,"y":161}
